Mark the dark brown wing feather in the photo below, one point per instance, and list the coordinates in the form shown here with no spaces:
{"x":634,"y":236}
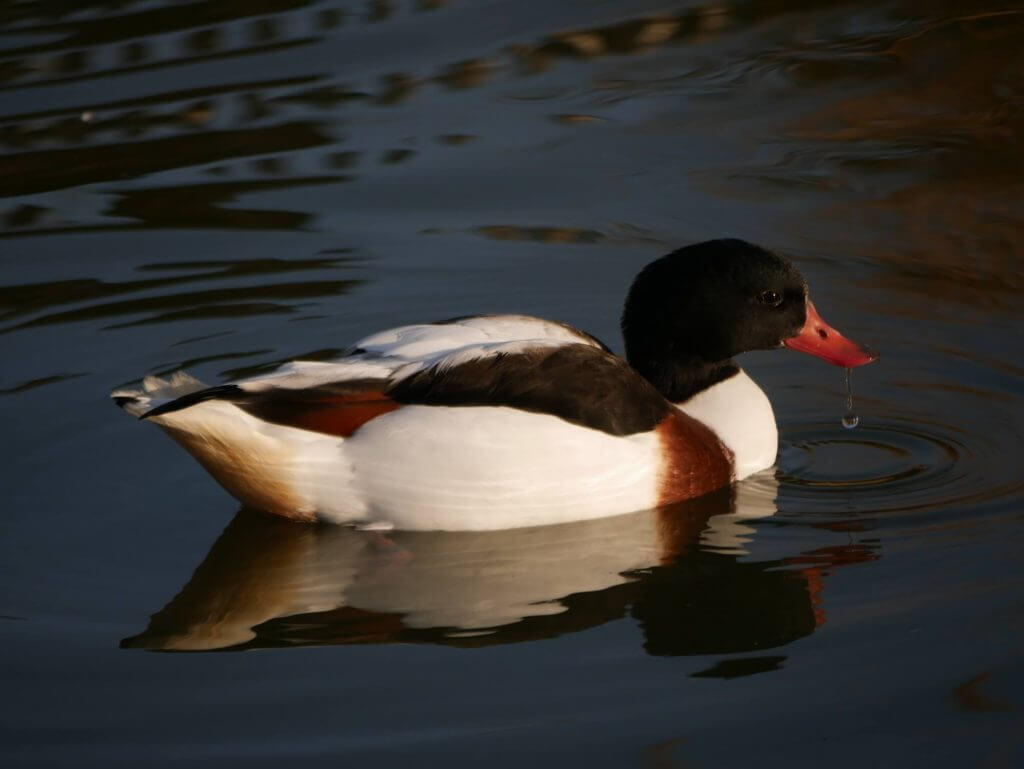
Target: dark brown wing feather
{"x":581,"y":384}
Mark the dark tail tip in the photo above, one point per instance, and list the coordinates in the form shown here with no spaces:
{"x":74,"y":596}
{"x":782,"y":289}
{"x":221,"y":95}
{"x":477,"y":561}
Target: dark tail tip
{"x":225,"y":392}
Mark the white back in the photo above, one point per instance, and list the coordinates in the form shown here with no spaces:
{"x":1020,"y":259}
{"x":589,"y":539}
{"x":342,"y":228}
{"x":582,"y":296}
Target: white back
{"x":400,"y":352}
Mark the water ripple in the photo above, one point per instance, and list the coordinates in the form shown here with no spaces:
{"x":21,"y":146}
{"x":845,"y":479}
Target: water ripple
{"x":893,"y":464}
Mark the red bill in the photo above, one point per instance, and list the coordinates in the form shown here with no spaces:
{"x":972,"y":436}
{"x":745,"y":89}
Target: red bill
{"x":821,"y":340}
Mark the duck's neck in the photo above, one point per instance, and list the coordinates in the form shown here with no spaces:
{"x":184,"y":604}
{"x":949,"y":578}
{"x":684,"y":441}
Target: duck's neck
{"x":679,"y":378}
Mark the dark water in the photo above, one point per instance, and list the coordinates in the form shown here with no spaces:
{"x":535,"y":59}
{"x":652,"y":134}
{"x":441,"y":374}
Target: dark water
{"x":223,"y":185}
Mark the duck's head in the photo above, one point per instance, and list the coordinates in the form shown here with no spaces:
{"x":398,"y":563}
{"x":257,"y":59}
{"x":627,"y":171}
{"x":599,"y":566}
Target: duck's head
{"x":690,"y":312}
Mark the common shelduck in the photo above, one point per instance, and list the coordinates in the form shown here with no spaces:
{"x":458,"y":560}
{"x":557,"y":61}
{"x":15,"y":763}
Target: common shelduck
{"x":503,"y":421}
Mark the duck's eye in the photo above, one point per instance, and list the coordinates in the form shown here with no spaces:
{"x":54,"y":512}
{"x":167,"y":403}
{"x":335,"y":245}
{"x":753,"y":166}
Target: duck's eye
{"x":771,"y":298}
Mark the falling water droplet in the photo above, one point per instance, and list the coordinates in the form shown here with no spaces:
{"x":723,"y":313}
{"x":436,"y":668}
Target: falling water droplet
{"x":850,"y":419}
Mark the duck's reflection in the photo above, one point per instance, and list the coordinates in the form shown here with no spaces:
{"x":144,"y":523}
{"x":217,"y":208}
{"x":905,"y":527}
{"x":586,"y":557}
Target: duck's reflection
{"x":680,"y":572}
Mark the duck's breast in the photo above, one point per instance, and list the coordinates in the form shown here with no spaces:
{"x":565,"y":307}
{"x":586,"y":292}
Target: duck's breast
{"x":740,"y":414}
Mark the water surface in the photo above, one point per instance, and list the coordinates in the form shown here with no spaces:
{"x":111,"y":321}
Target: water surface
{"x":222,"y":186}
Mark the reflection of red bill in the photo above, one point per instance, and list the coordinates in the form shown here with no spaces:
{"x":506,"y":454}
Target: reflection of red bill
{"x":820,"y":339}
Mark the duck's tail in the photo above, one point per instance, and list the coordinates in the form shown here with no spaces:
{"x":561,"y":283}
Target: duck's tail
{"x":155,"y":392}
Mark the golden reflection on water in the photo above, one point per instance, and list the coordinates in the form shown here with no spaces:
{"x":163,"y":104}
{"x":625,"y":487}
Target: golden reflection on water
{"x":916,"y":136}
{"x":539,"y":234}
{"x":41,"y":299}
{"x":929,"y":156}
{"x":33,"y":172}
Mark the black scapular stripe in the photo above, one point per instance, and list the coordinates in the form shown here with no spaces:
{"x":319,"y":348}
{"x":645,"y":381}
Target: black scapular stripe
{"x":578,"y":383}
{"x":581,"y":384}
